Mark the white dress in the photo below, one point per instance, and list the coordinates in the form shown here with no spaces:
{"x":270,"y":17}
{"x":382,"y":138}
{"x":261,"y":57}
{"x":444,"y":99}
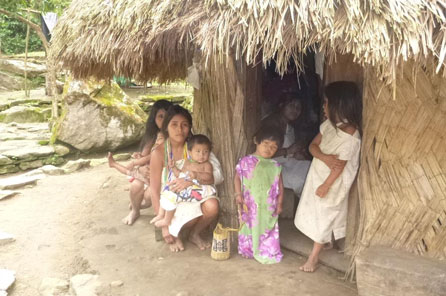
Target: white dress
{"x":318,"y":217}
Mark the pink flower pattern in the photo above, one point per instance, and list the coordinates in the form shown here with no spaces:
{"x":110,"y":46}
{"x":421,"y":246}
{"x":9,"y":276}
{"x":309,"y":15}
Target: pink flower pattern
{"x":270,"y":244}
{"x":245,"y":245}
{"x":246,"y":166}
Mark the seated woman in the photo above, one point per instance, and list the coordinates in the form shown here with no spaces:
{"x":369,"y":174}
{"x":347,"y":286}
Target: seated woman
{"x":138,"y":169}
{"x":176,"y":129}
{"x":293,"y":155}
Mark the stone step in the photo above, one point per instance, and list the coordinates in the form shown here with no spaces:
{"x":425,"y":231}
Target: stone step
{"x":389,"y":272}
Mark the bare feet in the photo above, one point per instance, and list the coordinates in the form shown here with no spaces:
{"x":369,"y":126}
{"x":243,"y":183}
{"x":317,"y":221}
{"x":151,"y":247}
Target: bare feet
{"x":111,"y":161}
{"x":177,"y":246}
{"x":199,"y":242}
{"x":168,"y":238}
{"x":130,"y":218}
{"x":156,"y":219}
{"x":310,"y":265}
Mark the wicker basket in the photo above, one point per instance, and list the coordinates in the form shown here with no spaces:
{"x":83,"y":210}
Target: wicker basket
{"x":221,"y":245}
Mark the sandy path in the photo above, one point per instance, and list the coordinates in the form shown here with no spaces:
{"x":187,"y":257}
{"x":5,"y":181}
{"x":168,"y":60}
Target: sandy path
{"x":70,"y":224}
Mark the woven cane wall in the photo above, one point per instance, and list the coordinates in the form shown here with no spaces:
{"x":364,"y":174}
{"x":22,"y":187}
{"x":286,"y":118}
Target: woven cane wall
{"x":402,"y":179}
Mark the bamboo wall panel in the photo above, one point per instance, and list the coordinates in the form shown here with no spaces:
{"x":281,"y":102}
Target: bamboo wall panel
{"x":226,"y":109}
{"x":402,"y":179}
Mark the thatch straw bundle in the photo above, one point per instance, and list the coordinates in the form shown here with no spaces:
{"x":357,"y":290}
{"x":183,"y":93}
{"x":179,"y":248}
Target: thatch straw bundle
{"x":149,"y":39}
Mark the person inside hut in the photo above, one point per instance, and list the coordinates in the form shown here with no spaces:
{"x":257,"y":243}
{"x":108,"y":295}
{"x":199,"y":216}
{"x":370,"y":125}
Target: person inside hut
{"x":293,"y":155}
{"x":196,"y":216}
{"x":322,"y":210}
{"x":138,"y":168}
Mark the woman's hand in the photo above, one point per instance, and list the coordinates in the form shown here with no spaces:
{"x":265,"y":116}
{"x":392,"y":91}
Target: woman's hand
{"x":332,"y":161}
{"x":179,"y":184}
{"x":322,"y":190}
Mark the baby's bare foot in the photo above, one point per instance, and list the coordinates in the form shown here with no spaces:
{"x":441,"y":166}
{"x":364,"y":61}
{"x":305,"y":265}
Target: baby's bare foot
{"x":130,"y":218}
{"x":310,"y":265}
{"x":199,"y":242}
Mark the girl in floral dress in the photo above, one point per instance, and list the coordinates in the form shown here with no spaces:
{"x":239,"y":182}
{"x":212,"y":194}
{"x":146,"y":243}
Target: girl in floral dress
{"x":259,"y":194}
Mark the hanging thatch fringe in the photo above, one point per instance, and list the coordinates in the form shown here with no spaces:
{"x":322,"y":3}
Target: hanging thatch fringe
{"x":149,"y":39}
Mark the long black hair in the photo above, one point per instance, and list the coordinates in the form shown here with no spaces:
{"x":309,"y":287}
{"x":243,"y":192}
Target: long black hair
{"x":171,"y":112}
{"x":344,"y":103}
{"x":151,"y":127}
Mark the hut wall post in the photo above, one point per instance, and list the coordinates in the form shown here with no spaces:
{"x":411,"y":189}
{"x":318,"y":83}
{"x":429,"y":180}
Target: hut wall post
{"x":227,"y":109}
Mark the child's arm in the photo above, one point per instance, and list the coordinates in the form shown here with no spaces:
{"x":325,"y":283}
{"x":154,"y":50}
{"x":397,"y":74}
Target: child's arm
{"x":206,"y":177}
{"x":280,"y":197}
{"x":330,"y":160}
{"x":323,"y":189}
{"x":237,"y":190}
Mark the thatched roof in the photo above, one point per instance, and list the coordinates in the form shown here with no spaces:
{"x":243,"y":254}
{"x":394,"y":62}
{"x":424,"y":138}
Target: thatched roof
{"x":149,"y":38}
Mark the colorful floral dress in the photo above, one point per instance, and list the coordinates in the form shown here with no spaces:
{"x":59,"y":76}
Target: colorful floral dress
{"x":259,"y":235}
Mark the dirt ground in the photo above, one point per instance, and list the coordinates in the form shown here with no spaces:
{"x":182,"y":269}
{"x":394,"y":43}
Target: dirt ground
{"x":71,"y":224}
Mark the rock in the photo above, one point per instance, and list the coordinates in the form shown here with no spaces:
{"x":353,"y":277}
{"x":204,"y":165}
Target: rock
{"x":7,"y":278}
{"x":31,"y":164}
{"x":61,"y":150}
{"x":390,"y":272}
{"x":8,"y":169}
{"x":11,"y":82}
{"x":122,"y":156}
{"x":116,"y":283}
{"x":53,"y":286}
{"x":4,"y":160}
{"x":74,"y":165}
{"x":18,"y":67}
{"x":98,"y":161}
{"x":19,"y":181}
{"x":85,"y":285}
{"x":23,"y":114}
{"x":25,"y":150}
{"x":7,"y":193}
{"x":34,"y":173}
{"x":98,"y":117}
{"x":52,"y":170}
{"x":6,"y":238}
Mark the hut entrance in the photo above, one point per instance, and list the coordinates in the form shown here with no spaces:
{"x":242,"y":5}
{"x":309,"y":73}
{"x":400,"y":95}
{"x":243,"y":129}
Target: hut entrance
{"x":303,"y":86}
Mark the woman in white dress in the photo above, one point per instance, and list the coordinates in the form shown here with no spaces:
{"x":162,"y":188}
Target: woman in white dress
{"x":322,"y":210}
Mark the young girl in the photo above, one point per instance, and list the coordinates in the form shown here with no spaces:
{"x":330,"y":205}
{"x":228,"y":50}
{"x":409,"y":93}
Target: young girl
{"x":199,"y":170}
{"x":322,"y":210}
{"x":139,"y":168}
{"x":259,"y":194}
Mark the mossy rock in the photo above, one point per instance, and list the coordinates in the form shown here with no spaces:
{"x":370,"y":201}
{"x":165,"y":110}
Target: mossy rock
{"x":98,"y":116}
{"x":8,"y":169}
{"x":25,"y":114}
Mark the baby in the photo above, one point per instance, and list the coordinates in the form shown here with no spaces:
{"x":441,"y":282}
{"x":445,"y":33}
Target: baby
{"x":198,"y":170}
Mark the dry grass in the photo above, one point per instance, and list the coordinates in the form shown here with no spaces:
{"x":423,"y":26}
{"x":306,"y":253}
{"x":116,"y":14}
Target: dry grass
{"x":155,"y":39}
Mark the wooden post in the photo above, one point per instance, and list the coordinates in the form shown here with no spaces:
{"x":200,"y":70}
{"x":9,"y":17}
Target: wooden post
{"x":27,"y":91}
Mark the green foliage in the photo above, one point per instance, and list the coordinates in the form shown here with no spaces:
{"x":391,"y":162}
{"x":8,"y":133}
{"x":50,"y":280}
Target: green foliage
{"x":13,"y":31}
{"x":13,"y":34}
